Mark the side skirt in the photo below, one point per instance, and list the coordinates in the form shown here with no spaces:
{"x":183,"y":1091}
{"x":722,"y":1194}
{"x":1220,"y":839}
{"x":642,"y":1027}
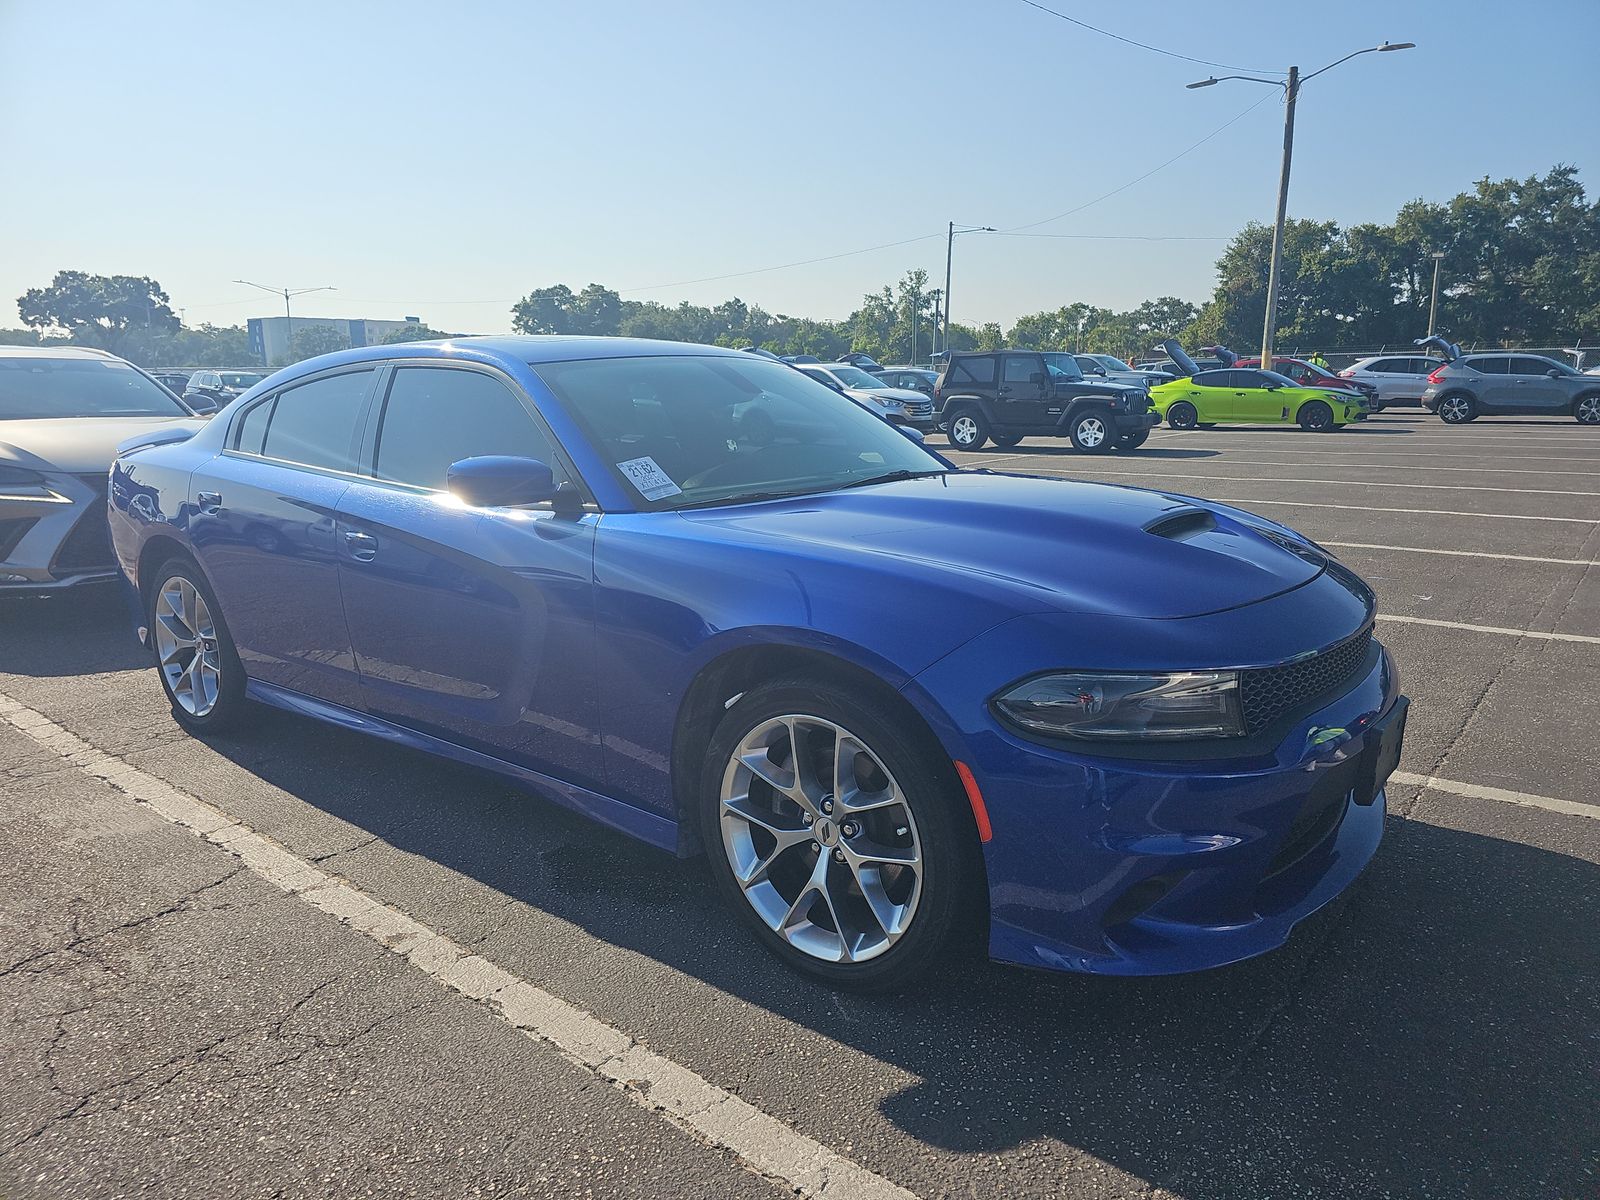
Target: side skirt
{"x":648,"y":827}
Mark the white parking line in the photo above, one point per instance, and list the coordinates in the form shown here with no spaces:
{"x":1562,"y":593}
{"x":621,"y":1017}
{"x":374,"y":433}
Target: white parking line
{"x":1505,"y":796}
{"x":1566,"y":562}
{"x":1318,"y":463}
{"x":760,"y":1142}
{"x":1501,"y":629}
{"x":1360,"y":483}
{"x":1426,"y":512}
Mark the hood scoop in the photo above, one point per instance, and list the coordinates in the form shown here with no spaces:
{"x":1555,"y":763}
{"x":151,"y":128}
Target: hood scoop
{"x":1182,"y":525}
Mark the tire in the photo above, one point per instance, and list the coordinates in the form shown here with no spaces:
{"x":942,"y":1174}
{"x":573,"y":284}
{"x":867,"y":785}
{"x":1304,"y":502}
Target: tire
{"x":1457,"y":409}
{"x":968,"y":429}
{"x":1316,"y":417}
{"x":1586,"y":409}
{"x":187,"y":628}
{"x":1183,"y":415}
{"x":1006,"y":439}
{"x":1132,"y":441}
{"x":743,"y":815}
{"x":1092,"y":432}
{"x":1205,"y":424}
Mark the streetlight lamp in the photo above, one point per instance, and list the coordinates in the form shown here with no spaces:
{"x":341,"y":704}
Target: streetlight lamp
{"x":1291,"y":93}
{"x":1433,"y":303}
{"x":288,"y":317}
{"x":949,"y":246}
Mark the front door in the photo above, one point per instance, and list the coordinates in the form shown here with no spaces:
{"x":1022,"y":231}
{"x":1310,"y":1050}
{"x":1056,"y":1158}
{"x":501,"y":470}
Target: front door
{"x":264,"y":527}
{"x":1531,"y":389}
{"x":1024,"y":393}
{"x":1254,"y":401}
{"x":473,"y":625}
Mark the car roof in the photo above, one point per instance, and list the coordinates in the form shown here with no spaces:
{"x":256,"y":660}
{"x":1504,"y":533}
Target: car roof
{"x":529,"y":348}
{"x":55,"y":352}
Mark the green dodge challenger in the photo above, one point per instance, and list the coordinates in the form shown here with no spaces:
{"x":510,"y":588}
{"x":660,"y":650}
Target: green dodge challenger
{"x":1247,"y":396}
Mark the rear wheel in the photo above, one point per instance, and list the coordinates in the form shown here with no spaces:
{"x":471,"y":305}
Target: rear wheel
{"x":1587,"y":409}
{"x":1006,"y":439}
{"x":834,"y":837}
{"x":1457,"y":409}
{"x":1315,"y":416}
{"x":1183,"y":415}
{"x":1132,"y":441}
{"x":1205,"y":424}
{"x":1092,"y":433}
{"x":968,"y":429}
{"x":199,"y":668}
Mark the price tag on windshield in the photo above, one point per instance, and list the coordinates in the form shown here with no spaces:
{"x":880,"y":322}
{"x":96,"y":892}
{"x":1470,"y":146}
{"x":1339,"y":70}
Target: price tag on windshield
{"x":653,"y":483}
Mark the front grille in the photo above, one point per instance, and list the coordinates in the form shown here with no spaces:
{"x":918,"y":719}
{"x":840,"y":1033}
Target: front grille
{"x":87,"y":547}
{"x":11,"y":533}
{"x":919,"y":408}
{"x":1266,"y":694}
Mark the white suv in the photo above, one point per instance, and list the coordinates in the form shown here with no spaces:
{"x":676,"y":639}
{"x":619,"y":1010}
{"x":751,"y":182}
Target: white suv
{"x":1399,"y":378}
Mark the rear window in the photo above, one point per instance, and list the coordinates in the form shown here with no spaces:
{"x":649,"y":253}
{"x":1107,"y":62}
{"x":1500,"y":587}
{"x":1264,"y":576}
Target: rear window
{"x":31,"y":388}
{"x":973,"y":370}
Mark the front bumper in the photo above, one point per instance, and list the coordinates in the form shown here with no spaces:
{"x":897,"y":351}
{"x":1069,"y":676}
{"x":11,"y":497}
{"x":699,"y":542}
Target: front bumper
{"x":1136,"y":422}
{"x":54,"y":537}
{"x":1152,"y":865}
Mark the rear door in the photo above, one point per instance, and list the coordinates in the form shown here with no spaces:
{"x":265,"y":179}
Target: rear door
{"x":473,"y":625}
{"x":1493,"y":385}
{"x":1024,"y":394}
{"x":264,"y":523}
{"x":1212,"y":394}
{"x":1532,"y":389}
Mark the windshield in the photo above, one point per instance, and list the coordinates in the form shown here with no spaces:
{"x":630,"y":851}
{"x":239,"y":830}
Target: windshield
{"x":1063,"y":364}
{"x":1110,"y":363}
{"x":681,"y":431}
{"x":79,"y":387}
{"x":855,"y":377}
{"x":243,"y":380}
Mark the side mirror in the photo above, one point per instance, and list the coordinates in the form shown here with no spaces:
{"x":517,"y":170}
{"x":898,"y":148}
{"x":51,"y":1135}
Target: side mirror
{"x":1100,"y":371}
{"x":500,"y":481}
{"x":1554,"y":374}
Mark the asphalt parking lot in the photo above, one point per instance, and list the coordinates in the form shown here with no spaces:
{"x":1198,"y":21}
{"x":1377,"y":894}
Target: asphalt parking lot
{"x":182,"y":1022}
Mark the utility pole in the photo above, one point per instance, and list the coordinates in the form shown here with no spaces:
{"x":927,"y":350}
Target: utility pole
{"x":949,"y":247}
{"x":1433,"y":303}
{"x":288,"y":316}
{"x":1269,"y":327}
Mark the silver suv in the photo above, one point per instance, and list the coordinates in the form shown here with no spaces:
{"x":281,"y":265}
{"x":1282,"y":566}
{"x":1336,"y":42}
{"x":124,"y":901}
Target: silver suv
{"x":1511,"y":385}
{"x":1399,"y":378}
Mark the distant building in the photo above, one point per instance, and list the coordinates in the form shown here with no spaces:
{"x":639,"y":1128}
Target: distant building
{"x":269,"y":336}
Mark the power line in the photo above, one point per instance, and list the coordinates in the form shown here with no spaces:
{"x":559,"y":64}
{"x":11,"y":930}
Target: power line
{"x":1205,"y":62}
{"x":805,"y":262}
{"x":1140,"y":179}
{"x":1113,"y":237}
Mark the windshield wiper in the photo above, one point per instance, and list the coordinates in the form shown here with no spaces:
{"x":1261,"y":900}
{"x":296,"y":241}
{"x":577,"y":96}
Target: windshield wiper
{"x":740,"y":498}
{"x":895,"y":477}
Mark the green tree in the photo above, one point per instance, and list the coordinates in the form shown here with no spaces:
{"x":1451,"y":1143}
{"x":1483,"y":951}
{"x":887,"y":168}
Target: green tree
{"x":415,"y":332}
{"x":596,"y":311}
{"x":311,"y":340}
{"x":98,"y":310}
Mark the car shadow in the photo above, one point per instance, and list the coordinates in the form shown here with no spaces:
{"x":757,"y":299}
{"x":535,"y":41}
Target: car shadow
{"x":1427,"y":1034}
{"x":87,"y":630}
{"x":1066,"y":451}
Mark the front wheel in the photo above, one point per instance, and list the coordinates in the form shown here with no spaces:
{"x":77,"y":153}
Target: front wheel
{"x":1316,"y":417}
{"x":968,"y":430}
{"x":1457,"y":410}
{"x":1006,"y":439}
{"x":1587,"y":409}
{"x":195,"y":658}
{"x":835,"y":836}
{"x":1132,"y":441}
{"x":1092,"y":433}
{"x":1183,"y":415}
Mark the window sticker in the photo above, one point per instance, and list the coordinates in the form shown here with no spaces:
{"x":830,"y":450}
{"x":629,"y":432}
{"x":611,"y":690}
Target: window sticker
{"x":653,"y":483}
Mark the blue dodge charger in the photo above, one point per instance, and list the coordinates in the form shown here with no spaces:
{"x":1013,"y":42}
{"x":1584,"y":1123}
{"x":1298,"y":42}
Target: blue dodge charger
{"x":712,"y":604}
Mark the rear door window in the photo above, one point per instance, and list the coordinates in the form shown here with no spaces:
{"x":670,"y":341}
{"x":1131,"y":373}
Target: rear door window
{"x":314,"y":424}
{"x":980,"y":370}
{"x":1493,"y":365}
{"x":435,"y":416}
{"x":1213,"y":379}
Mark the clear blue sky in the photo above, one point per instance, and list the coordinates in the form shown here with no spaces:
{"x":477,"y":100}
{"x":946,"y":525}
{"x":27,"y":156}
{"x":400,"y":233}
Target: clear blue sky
{"x":441,"y":159}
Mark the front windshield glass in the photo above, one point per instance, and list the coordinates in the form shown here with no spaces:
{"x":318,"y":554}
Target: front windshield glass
{"x":1062,"y":364}
{"x":855,"y":377}
{"x":31,"y":388}
{"x":241,"y":379}
{"x":684,"y":431}
{"x":1110,"y":363}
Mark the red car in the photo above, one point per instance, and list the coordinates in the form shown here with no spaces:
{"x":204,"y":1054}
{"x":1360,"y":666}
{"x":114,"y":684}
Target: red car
{"x":1310,"y":375}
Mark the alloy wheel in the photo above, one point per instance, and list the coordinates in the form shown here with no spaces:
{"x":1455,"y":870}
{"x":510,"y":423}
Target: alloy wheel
{"x":1589,"y":410}
{"x":187,"y":651}
{"x":1091,"y":432}
{"x":820,"y":838}
{"x":964,"y":431}
{"x":1454,"y":409}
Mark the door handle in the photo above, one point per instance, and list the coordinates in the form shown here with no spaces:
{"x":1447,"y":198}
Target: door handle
{"x":208,"y":501}
{"x":363,"y":547}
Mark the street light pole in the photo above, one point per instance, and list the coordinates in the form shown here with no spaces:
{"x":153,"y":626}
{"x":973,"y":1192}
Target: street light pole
{"x":1291,"y":93}
{"x":1433,"y":302}
{"x":288,"y":316}
{"x":949,"y":247}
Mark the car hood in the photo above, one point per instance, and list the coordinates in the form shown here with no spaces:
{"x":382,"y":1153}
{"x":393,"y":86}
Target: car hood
{"x":77,"y":445}
{"x":899,"y":395}
{"x":1055,"y":544}
{"x":877,"y":395}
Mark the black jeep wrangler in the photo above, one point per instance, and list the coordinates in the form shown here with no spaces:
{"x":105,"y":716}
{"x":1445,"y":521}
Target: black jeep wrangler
{"x":1007,"y":395}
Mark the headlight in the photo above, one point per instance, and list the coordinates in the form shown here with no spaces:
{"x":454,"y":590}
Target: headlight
{"x":1104,"y":706}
